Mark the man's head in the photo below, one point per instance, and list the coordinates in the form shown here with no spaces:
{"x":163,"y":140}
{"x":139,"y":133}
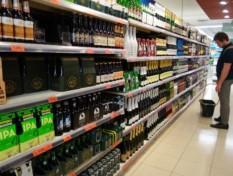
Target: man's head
{"x":221,"y":39}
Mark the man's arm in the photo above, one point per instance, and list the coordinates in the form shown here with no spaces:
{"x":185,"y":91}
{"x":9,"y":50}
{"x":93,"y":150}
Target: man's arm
{"x":225,"y":72}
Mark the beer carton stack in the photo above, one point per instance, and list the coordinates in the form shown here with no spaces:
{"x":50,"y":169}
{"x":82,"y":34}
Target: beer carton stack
{"x":2,"y":86}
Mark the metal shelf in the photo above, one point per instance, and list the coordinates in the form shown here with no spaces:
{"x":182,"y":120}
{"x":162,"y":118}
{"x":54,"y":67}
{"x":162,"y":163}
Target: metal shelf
{"x":153,"y":58}
{"x":93,"y":160}
{"x":14,"y":47}
{"x":21,"y":158}
{"x":160,"y":30}
{"x":156,"y":84}
{"x":75,"y":8}
{"x":142,"y":120}
{"x":125,"y":166}
{"x":32,"y":99}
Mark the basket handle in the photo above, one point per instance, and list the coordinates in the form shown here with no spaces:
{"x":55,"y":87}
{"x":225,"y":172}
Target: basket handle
{"x":205,"y":92}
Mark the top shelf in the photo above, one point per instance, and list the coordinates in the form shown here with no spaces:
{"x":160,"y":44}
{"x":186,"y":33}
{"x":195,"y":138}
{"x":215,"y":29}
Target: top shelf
{"x":163,"y":31}
{"x":68,"y":6}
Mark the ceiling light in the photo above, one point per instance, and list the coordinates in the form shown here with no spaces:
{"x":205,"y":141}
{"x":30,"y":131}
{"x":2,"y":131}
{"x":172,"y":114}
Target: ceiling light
{"x":223,"y":2}
{"x":226,"y":16}
{"x":225,"y":11}
{"x":209,"y":26}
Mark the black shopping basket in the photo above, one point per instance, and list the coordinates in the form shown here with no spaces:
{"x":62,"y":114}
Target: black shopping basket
{"x":207,"y":106}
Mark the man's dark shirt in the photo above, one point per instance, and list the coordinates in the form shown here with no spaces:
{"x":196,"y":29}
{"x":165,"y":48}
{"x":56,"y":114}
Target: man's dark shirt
{"x":225,"y":57}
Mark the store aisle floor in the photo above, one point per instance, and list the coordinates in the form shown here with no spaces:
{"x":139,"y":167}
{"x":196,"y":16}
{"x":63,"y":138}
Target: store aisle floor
{"x":189,"y":147}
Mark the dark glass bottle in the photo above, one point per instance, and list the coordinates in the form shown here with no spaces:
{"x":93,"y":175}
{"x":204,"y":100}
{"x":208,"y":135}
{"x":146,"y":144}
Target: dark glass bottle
{"x":18,"y":21}
{"x":91,"y":31}
{"x":86,"y":31}
{"x":28,"y":22}
{"x":58,"y":119}
{"x":81,"y":31}
{"x":7,"y":22}
{"x":75,"y":32}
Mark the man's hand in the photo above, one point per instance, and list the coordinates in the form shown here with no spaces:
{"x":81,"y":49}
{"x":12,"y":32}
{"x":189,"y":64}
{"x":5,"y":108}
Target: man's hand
{"x":218,"y":87}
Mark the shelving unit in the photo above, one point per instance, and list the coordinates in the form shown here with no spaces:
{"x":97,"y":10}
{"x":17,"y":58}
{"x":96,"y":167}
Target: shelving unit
{"x":13,"y":47}
{"x":32,"y":99}
{"x":153,"y":58}
{"x":96,"y":158}
{"x":142,"y":120}
{"x":39,"y":150}
{"x":160,"y":30}
{"x":75,"y":8}
{"x":125,"y":166}
{"x":150,"y":86}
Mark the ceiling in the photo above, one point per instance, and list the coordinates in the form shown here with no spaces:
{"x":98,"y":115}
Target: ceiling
{"x":192,"y":13}
{"x":214,"y":9}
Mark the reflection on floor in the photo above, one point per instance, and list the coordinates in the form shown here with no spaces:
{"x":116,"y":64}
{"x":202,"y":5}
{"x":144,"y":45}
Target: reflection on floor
{"x":190,"y":147}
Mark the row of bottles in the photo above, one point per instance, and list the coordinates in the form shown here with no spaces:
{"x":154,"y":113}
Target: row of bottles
{"x":107,"y":6}
{"x":16,"y":23}
{"x":132,"y":142}
{"x":108,"y":71}
{"x":131,"y":44}
{"x":77,"y":112}
{"x":98,"y":33}
{"x":107,"y":166}
{"x":139,"y":105}
{"x":146,"y":47}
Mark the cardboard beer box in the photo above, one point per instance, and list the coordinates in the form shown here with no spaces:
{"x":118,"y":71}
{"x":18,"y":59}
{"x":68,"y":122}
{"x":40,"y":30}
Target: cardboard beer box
{"x":9,"y":143}
{"x":64,"y":73}
{"x":45,"y":124}
{"x":35,"y":74}
{"x":28,"y":136}
{"x":2,"y":86}
{"x":12,"y":76}
{"x":88,"y":71}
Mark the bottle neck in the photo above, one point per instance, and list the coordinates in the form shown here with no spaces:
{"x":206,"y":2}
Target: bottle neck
{"x":16,"y":5}
{"x":5,"y":4}
{"x":26,"y":8}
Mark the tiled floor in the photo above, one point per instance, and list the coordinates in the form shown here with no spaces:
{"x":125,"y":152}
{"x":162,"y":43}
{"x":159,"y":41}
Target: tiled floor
{"x":189,"y":148}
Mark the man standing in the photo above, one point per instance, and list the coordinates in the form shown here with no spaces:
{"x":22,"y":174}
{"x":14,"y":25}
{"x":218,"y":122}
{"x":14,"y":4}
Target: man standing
{"x":225,"y":79}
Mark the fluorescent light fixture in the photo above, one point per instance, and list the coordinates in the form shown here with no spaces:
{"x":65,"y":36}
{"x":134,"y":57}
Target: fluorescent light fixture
{"x":209,"y":26}
{"x":223,"y":2}
{"x":225,"y":11}
{"x":226,"y":16}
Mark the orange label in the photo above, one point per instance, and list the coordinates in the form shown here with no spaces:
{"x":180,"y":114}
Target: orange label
{"x":90,"y":51}
{"x":55,"y":2}
{"x":52,"y":99}
{"x":107,"y":51}
{"x":114,"y":115}
{"x":71,"y":174}
{"x":130,"y":94}
{"x":17,"y":48}
{"x":90,"y":126}
{"x":67,"y":137}
{"x":108,"y":86}
{"x":42,"y":150}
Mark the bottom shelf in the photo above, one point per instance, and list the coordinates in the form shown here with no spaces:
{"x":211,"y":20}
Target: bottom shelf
{"x":161,"y":128}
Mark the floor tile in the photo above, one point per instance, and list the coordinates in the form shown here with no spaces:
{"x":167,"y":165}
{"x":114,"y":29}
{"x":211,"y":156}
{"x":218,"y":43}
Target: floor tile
{"x":149,"y":170}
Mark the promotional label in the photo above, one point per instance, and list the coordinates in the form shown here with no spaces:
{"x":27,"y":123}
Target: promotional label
{"x":29,"y":33}
{"x":19,"y":28}
{"x":7,"y":27}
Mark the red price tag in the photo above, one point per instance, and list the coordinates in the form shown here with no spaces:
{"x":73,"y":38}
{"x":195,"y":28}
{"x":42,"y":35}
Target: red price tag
{"x":114,"y":114}
{"x":42,"y":150}
{"x":90,"y":51}
{"x":71,"y":174}
{"x":52,"y":99}
{"x":17,"y":48}
{"x":90,"y":126}
{"x":67,"y":137}
{"x":130,"y":94}
{"x":107,"y":51}
{"x":57,"y":2}
{"x":108,"y":86}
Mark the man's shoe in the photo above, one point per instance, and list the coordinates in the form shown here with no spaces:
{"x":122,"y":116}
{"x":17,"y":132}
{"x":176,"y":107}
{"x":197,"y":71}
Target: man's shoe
{"x":220,"y":126}
{"x":218,"y":119}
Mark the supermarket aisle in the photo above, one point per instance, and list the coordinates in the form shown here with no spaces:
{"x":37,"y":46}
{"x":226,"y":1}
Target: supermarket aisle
{"x":189,"y":148}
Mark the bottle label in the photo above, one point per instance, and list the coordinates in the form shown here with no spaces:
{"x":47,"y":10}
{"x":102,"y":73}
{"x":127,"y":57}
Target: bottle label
{"x":76,"y":37}
{"x":7,"y":27}
{"x":86,"y":39}
{"x":60,"y":125}
{"x":19,"y":28}
{"x":82,"y":38}
{"x":68,"y":121}
{"x":29,"y":33}
{"x":98,"y":79}
{"x":96,"y":40}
